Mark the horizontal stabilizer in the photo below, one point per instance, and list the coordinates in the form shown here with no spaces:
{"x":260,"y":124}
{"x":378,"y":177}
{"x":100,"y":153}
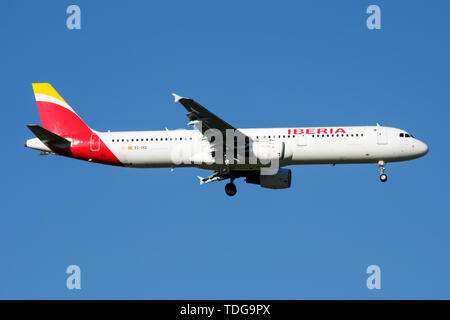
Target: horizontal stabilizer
{"x":47,"y":137}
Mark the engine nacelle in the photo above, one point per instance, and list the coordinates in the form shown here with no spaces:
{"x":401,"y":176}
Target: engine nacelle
{"x":267,"y":151}
{"x":280,"y":180}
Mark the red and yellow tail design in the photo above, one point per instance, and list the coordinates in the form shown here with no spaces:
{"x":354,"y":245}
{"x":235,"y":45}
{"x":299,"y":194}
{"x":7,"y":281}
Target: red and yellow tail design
{"x":56,"y":114}
{"x":61,"y":120}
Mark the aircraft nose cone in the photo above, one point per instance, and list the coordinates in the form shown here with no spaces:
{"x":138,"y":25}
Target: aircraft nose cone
{"x":422,"y":148}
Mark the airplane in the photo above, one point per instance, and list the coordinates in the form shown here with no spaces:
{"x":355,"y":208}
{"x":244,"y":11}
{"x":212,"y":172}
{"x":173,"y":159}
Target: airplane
{"x":258,"y":155}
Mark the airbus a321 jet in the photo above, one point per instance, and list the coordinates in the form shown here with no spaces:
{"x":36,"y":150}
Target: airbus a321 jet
{"x":259,"y":155}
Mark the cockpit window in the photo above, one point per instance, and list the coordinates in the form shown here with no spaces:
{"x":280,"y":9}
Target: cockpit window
{"x":406,"y":135}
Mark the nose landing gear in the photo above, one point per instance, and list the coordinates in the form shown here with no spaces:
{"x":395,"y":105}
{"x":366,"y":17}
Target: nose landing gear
{"x":383,"y":176}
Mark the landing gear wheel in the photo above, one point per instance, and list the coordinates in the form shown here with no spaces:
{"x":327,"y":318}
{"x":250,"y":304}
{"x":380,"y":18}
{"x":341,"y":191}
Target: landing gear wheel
{"x":230,"y":189}
{"x":383,"y":177}
{"x":225,"y":170}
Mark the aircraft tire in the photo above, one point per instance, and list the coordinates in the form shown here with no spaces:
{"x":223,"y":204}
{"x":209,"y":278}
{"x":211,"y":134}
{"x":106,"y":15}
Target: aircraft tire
{"x":230,"y":189}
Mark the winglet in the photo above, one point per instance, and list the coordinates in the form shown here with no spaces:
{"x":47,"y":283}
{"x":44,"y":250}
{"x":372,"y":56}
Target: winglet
{"x":177,"y":97}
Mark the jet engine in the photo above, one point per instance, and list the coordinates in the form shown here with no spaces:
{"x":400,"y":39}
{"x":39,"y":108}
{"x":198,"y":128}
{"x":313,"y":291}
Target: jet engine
{"x":280,"y":180}
{"x":266,"y":151}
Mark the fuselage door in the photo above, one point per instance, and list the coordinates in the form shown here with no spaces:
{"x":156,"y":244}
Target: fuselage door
{"x":381,"y":135}
{"x":95,"y":143}
{"x":301,"y":140}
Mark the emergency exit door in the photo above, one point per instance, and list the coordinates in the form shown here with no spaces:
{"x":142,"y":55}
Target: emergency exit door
{"x":382,"y":137}
{"x":301,"y":140}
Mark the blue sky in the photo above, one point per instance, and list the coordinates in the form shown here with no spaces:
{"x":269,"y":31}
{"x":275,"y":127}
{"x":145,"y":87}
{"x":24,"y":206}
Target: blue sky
{"x":157,"y":234}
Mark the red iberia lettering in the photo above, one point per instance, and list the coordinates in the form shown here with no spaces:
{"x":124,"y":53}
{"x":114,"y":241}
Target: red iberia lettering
{"x":313,"y":131}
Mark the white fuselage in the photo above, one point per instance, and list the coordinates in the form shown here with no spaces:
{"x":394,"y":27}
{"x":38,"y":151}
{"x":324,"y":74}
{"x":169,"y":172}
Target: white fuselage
{"x":308,"y":145}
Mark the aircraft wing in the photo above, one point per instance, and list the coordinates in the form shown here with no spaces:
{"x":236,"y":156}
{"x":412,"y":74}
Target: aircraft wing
{"x":209,"y":120}
{"x":199,"y":113}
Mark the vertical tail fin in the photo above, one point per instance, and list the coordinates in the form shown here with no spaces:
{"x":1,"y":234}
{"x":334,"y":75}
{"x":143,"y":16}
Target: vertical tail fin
{"x":56,"y":114}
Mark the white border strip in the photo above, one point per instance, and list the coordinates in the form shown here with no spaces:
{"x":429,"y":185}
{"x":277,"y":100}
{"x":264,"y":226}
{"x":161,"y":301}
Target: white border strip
{"x":46,"y":98}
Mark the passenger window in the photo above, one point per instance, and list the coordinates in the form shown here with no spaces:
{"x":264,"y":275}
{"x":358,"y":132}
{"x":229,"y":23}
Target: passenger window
{"x":356,"y":134}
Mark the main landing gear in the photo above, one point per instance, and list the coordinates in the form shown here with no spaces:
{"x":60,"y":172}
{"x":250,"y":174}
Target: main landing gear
{"x":224,"y":170}
{"x":230,"y":189}
{"x":383,"y":176}
{"x":223,"y":173}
